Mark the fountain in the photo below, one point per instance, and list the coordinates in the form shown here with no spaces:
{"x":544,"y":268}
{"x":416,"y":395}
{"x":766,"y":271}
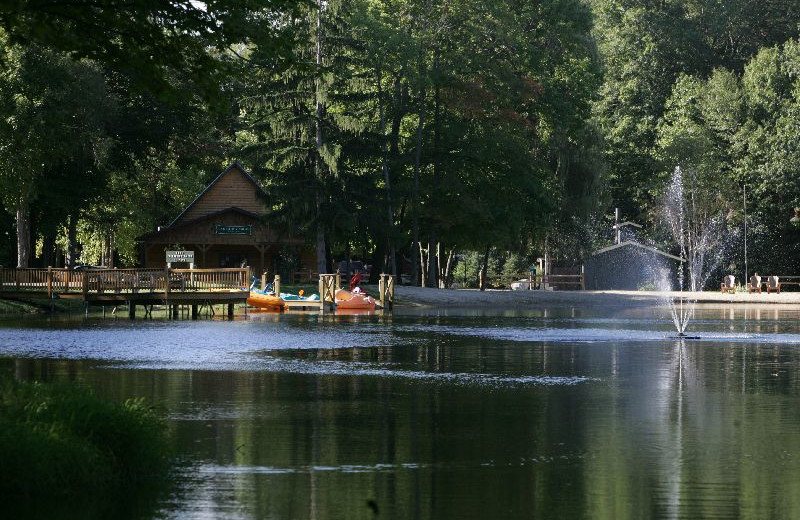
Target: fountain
{"x":700,"y":240}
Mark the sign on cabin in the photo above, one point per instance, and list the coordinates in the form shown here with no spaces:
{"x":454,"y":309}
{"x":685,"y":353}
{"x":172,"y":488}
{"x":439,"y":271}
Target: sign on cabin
{"x":180,"y":256}
{"x":220,"y":229}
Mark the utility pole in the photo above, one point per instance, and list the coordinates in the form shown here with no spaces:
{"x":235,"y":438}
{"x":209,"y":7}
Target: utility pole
{"x":619,"y":225}
{"x":746,"y":273}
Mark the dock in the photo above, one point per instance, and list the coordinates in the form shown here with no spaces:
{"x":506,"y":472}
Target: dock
{"x":168,"y":287}
{"x":134,"y":287}
{"x":328,"y":285}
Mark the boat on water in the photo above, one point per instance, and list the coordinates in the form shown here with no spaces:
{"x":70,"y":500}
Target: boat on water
{"x":354,"y":299}
{"x":264,"y":300}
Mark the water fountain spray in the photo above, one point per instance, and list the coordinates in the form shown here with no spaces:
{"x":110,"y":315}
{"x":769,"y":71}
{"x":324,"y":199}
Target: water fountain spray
{"x":674,"y":212}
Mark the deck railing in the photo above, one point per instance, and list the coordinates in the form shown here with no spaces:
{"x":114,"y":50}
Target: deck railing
{"x":103,"y":281}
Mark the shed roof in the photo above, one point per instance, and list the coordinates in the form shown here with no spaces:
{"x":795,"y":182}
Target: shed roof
{"x":641,"y":246}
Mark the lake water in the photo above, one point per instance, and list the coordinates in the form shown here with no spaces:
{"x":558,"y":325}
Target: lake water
{"x":458,"y":414}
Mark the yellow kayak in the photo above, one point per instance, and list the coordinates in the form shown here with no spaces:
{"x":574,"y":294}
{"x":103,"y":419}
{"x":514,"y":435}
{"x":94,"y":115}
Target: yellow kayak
{"x":264,"y":301}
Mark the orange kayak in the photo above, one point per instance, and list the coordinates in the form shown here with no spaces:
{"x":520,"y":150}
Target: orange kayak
{"x":264,"y":301}
{"x":353,"y":300}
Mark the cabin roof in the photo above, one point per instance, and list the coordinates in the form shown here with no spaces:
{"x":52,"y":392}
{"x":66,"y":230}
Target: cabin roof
{"x":641,"y":246}
{"x":210,"y":216}
{"x":234,"y":166}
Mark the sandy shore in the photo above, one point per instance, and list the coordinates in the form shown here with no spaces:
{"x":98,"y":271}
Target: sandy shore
{"x":411,"y":296}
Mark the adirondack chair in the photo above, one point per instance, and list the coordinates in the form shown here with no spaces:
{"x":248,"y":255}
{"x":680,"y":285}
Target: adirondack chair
{"x":728,"y":284}
{"x":773,"y":285}
{"x":754,"y":285}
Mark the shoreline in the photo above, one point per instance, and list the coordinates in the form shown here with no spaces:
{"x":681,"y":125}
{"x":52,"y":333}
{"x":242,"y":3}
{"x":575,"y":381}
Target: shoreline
{"x":409,"y":296}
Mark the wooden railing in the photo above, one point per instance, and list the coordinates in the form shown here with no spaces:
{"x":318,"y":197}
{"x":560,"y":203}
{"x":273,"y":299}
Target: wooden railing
{"x":209,"y":279}
{"x":574,"y":281}
{"x":101,"y":281}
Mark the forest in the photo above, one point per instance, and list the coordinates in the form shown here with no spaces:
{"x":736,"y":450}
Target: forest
{"x":452,"y":140}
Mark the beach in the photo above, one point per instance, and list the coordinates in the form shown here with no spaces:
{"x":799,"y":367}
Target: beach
{"x":429,"y":297}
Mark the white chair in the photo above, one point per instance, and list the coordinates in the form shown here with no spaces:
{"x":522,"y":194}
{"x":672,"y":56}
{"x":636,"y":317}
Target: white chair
{"x":728,"y":284}
{"x":773,"y":285}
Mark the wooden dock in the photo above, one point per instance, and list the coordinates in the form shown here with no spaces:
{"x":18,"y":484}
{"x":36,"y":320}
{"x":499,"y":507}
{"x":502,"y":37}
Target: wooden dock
{"x":145,"y":287}
{"x":169,"y":287}
{"x":328,"y":285}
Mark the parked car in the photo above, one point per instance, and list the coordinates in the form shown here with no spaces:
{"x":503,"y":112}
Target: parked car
{"x":355,"y":265}
{"x":89,"y":267}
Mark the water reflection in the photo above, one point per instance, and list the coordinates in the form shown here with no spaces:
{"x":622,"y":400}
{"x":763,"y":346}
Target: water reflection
{"x":569,"y":413}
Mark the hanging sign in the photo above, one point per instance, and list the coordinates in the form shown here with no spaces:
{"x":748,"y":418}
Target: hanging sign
{"x":180,"y":256}
{"x":220,"y":229}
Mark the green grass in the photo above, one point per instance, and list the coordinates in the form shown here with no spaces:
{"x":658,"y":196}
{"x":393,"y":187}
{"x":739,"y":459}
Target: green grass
{"x":36,"y":305}
{"x":61,"y":444}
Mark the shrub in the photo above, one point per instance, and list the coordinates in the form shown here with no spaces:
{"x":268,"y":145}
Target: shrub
{"x":60,"y":442}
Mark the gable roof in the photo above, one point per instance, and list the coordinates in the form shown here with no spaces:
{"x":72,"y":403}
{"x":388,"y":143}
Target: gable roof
{"x":641,"y":246}
{"x":235,"y":166}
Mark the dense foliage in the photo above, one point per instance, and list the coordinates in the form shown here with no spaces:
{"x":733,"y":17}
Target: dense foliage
{"x":61,"y":447}
{"x":417,"y":135}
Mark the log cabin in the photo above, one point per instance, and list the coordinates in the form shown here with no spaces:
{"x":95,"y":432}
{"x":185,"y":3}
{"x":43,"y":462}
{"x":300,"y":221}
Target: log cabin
{"x":228,"y":225}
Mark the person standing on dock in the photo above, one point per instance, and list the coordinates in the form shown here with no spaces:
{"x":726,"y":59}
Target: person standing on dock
{"x":355,"y":280}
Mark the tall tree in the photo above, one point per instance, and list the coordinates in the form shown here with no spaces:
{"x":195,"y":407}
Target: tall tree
{"x":53,"y":116}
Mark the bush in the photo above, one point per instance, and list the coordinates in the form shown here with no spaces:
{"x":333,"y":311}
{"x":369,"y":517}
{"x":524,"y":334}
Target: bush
{"x":60,"y":442}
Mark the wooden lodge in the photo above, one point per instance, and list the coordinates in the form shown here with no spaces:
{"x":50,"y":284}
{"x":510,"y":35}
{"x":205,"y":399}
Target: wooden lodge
{"x":227,"y":226}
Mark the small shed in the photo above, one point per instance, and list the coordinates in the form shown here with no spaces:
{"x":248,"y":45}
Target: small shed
{"x":227,"y":225}
{"x":631,"y":266}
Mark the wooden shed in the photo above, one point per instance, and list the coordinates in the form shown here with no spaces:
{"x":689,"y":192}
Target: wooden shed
{"x":227,"y":225}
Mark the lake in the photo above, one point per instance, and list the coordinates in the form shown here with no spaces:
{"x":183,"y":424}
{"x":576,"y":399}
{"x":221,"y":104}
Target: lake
{"x":454,"y":414}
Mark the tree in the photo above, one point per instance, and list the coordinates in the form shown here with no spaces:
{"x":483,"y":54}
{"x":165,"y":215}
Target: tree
{"x":52,"y":118}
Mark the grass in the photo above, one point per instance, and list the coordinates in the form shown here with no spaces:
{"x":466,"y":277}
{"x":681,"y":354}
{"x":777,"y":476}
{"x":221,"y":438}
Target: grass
{"x":61,"y":444}
{"x":35,"y":305}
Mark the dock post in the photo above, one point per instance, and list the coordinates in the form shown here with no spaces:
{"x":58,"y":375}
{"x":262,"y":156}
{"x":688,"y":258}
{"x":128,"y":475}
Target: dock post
{"x":85,"y":284}
{"x":194,"y":311}
{"x":382,"y":290}
{"x":174,"y":312}
{"x":131,"y":309}
{"x":276,"y":285}
{"x":50,"y":282}
{"x":230,"y":311}
{"x":263,"y":281}
{"x":321,"y":294}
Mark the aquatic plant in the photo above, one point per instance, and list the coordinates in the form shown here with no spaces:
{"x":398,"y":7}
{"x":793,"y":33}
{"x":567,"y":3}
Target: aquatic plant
{"x":61,"y":443}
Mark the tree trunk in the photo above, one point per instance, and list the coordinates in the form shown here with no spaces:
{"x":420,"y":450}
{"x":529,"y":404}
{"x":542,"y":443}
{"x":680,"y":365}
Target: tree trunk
{"x":108,"y":251}
{"x":416,"y":246}
{"x":23,"y":233}
{"x":483,"y":273}
{"x":320,"y":239}
{"x":49,"y":249}
{"x":422,"y":270}
{"x":318,"y":167}
{"x":433,"y":245}
{"x":390,"y":238}
{"x":433,"y":262}
{"x":71,"y":254}
{"x":447,"y":275}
